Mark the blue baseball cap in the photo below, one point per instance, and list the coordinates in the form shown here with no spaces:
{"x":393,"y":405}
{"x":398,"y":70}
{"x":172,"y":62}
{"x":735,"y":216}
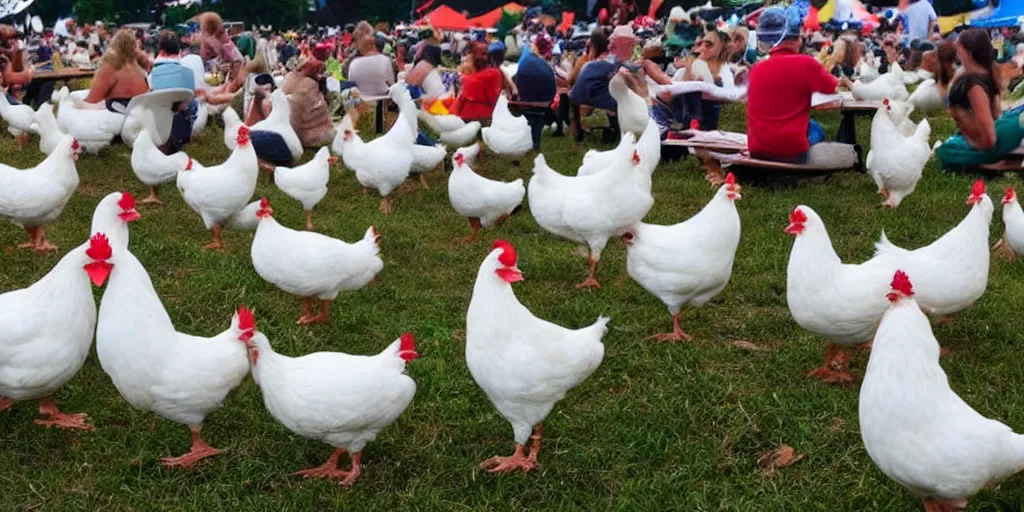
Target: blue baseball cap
{"x":775,"y":24}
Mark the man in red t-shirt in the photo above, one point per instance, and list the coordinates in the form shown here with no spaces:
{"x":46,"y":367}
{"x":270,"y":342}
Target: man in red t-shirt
{"x":779,"y":91}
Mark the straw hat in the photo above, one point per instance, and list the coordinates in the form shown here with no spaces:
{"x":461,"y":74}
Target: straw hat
{"x":623,"y":31}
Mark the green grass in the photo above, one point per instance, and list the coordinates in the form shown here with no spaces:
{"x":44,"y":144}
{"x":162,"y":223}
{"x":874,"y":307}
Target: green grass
{"x":657,"y":427}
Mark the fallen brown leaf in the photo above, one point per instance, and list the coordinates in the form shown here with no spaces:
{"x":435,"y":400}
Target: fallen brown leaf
{"x":769,"y":462}
{"x":746,"y":345}
{"x":459,"y":335}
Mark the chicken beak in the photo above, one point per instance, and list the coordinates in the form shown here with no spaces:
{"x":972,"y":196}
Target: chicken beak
{"x":510,"y":274}
{"x":98,"y":272}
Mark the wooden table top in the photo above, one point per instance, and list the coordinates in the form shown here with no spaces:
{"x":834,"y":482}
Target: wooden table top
{"x":66,"y":73}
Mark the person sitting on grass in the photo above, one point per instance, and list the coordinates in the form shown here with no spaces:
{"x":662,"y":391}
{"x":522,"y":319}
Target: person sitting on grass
{"x":985,"y":134}
{"x":779,"y":125}
{"x":482,"y":84}
{"x":119,"y":77}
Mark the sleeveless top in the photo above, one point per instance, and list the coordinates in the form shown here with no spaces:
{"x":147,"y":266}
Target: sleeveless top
{"x":961,"y":87}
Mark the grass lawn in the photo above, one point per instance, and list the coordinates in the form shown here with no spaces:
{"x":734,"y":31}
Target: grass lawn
{"x":657,"y":427}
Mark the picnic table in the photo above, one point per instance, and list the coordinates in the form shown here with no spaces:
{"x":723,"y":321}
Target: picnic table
{"x":850,"y":108}
{"x":64,"y":74}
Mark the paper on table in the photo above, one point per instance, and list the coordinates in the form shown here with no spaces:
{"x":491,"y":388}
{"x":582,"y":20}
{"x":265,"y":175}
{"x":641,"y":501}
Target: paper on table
{"x":712,"y":90}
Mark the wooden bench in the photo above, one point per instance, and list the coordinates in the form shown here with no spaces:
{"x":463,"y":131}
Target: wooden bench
{"x":756,"y":170}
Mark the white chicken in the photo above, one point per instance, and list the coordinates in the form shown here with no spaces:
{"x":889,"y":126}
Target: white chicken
{"x":33,"y":198}
{"x":952,"y":272}
{"x":595,"y":161}
{"x":690,"y":262}
{"x":111,"y":217}
{"x":49,"y":134}
{"x":202,"y":118}
{"x":94,"y":129}
{"x":180,"y":377}
{"x":508,"y":134}
{"x":279,"y":122}
{"x":44,"y":346}
{"x":842,"y":302}
{"x":21,"y":120}
{"x":307,"y":183}
{"x":631,"y":111}
{"x":915,"y":428}
{"x":451,"y":130}
{"x":217,"y":193}
{"x":485,"y":202}
{"x":383,"y":163}
{"x":896,"y":162}
{"x":889,"y":85}
{"x":524,"y":364}
{"x":150,"y":165}
{"x":926,"y":97}
{"x":1013,"y":226}
{"x":231,"y":124}
{"x":310,"y":264}
{"x":866,"y":72}
{"x":424,"y":158}
{"x":590,"y":209}
{"x":340,"y":399}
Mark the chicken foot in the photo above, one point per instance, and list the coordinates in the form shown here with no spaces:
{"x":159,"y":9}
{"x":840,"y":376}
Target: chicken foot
{"x":714,"y":175}
{"x":21,"y":140}
{"x":217,"y":244}
{"x":309,"y":220}
{"x":837,"y":360}
{"x":423,"y":182}
{"x":1005,"y":249}
{"x":519,"y":460}
{"x":330,"y":469}
{"x":591,"y":280}
{"x":63,"y":420}
{"x":199,"y":451}
{"x":934,"y":505}
{"x":308,"y":318}
{"x":5,"y":403}
{"x":41,"y":243}
{"x":677,"y":333}
{"x":152,"y":198}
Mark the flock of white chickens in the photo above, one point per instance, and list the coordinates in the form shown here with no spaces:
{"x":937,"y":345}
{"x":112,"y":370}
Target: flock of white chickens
{"x":914,"y":426}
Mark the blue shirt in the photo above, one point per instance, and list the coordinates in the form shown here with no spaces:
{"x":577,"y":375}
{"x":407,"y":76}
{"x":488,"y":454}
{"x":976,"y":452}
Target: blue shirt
{"x":918,"y":15}
{"x":534,"y":78}
{"x":591,"y":86}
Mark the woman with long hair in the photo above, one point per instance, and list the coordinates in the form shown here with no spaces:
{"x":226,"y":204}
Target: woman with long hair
{"x":985,"y":133}
{"x":119,"y":77}
{"x":711,"y":67}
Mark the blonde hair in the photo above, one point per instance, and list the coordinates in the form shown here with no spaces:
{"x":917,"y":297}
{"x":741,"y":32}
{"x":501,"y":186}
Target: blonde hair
{"x":362,"y":30}
{"x":122,"y":51}
{"x":845,"y":53}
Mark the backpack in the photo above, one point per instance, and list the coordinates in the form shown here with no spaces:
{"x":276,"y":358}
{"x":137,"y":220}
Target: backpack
{"x":171,"y":75}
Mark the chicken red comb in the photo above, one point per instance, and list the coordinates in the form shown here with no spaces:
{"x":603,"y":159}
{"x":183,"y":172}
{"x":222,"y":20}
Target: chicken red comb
{"x":797,"y":216}
{"x":243,"y":135}
{"x":246,"y":321}
{"x":407,"y":347}
{"x":460,"y":159}
{"x":127,"y":202}
{"x":1010,"y":194}
{"x":730,"y":179}
{"x":901,"y":283}
{"x":99,"y":247}
{"x":74,"y":144}
{"x":264,"y":202}
{"x":188,"y":167}
{"x":978,"y":188}
{"x":508,"y":254}
{"x":885,"y":102}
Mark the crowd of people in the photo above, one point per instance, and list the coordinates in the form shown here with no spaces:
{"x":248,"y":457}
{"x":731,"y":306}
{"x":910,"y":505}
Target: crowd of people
{"x":546,"y":68}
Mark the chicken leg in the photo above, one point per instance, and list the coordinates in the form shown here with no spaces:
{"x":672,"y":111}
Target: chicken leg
{"x":474,"y":224}
{"x":21,"y":140}
{"x":31,"y":244}
{"x":308,"y":317}
{"x":217,"y":244}
{"x":677,"y":333}
{"x":42,"y":244}
{"x":309,"y":220}
{"x":934,"y":505}
{"x":518,"y":460}
{"x":330,"y":469}
{"x":200,"y":450}
{"x":5,"y":403}
{"x":1005,"y":249}
{"x":385,"y":205}
{"x":152,"y":198}
{"x":591,"y":280}
{"x":834,"y":370}
{"x":59,"y":419}
{"x":423,"y":182}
